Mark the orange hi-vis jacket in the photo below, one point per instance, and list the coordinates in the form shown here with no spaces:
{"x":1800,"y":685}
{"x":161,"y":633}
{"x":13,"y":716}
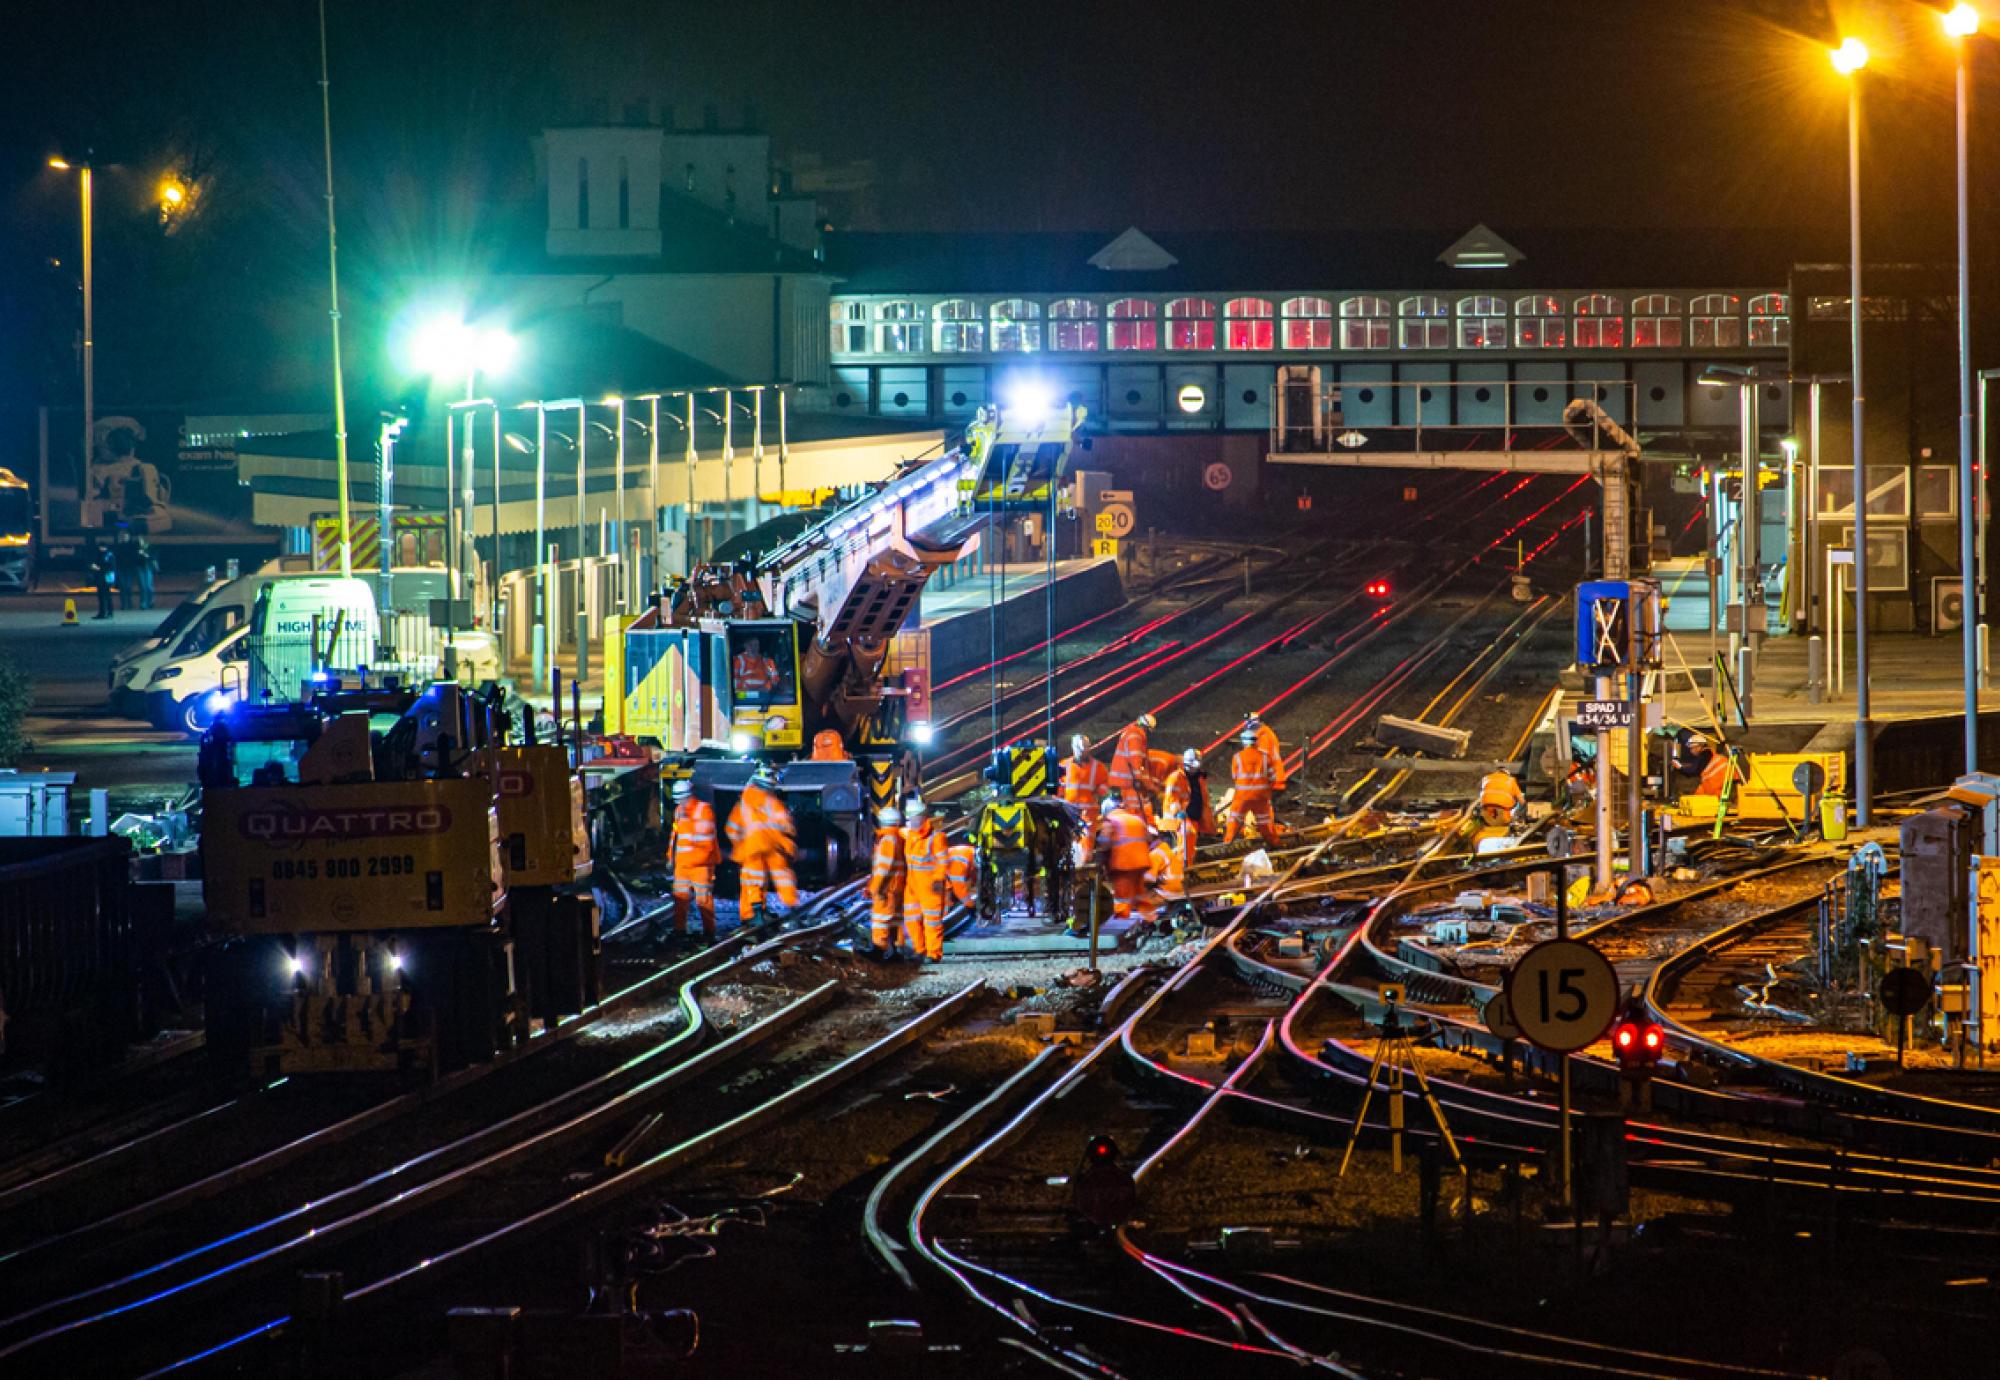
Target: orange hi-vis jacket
{"x":925,"y":857}
{"x":1131,"y":770}
{"x":1252,"y":772}
{"x":960,"y":867}
{"x":1083,"y":781}
{"x":1267,"y":741}
{"x":1121,"y":841}
{"x":754,"y":672}
{"x":828,"y":746}
{"x":1499,"y":791}
{"x":696,"y":851}
{"x":759,"y":826}
{"x":1169,"y":870}
{"x":885,"y":881}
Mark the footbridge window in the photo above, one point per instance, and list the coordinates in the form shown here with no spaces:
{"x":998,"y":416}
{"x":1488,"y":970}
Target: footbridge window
{"x":1190,"y":324}
{"x":959,"y":327}
{"x":850,"y":328}
{"x":1600,"y":322}
{"x":1482,"y":323}
{"x":901,"y":328}
{"x":1249,"y":324}
{"x":1364,"y":323}
{"x":1656,"y":323}
{"x":1714,"y":321}
{"x":1540,"y":323}
{"x":1770,"y":319}
{"x":1073,"y":324}
{"x":1017,"y":325}
{"x":1132,"y":324}
{"x":1308,"y":323}
{"x":1422,"y":324}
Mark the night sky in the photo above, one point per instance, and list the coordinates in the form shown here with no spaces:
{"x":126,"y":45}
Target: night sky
{"x":1367,"y":113}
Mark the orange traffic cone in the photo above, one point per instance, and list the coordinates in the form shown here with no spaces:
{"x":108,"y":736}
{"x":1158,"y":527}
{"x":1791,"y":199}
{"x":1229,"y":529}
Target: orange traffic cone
{"x":69,"y":613}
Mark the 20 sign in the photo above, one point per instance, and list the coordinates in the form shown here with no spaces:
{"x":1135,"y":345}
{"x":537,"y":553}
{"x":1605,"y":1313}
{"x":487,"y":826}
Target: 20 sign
{"x":1563,"y":994}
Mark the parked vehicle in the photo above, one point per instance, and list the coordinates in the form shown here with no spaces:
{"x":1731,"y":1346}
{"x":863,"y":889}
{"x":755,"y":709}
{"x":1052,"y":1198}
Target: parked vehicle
{"x":133,"y":668}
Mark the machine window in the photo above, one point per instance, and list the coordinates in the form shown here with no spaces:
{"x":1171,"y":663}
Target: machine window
{"x":761,"y":667}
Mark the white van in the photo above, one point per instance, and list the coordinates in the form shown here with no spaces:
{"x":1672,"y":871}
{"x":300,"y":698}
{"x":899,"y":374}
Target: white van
{"x":133,"y":668}
{"x":298,"y":625}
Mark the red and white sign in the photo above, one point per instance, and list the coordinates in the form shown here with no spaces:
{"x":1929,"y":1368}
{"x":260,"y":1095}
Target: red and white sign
{"x":1217,"y":476}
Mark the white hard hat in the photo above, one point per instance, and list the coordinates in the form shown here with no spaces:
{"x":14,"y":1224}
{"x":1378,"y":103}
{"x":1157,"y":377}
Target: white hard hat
{"x":1191,"y":758}
{"x":683,"y":789}
{"x":915,"y":808}
{"x":1148,"y":722}
{"x":889,"y":818}
{"x":1251,"y":720}
{"x":1079,"y":745}
{"x":1248,"y":736}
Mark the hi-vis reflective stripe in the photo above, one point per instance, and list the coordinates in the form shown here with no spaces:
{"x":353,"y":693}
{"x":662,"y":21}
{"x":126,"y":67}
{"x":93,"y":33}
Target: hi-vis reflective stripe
{"x":881,"y":778}
{"x":1028,"y":770}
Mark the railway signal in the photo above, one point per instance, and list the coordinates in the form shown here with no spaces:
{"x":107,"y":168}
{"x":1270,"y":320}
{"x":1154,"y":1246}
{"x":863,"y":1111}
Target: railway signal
{"x":1637,"y":1040}
{"x":1378,"y":589}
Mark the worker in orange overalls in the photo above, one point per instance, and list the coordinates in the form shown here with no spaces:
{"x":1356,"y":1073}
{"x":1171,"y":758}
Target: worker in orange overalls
{"x":925,"y":861}
{"x":1123,"y":853}
{"x":1500,"y":797}
{"x":961,"y":872}
{"x":828,"y":746}
{"x":1168,"y":873}
{"x":885,"y":888}
{"x":753,"y":674}
{"x":1251,"y":775}
{"x":1267,"y":739}
{"x":763,"y":841}
{"x":1083,"y":781}
{"x":696,"y":856}
{"x":1131,"y":768}
{"x":1184,"y":809}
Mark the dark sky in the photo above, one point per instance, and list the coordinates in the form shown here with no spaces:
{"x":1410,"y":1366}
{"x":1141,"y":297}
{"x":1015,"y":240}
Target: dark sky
{"x":1431,"y":113}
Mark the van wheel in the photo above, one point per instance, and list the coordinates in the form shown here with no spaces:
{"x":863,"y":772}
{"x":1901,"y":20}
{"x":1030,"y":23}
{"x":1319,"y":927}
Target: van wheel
{"x":191,"y":718}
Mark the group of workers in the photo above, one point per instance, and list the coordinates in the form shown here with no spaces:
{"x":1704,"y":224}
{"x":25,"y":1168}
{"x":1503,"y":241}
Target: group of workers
{"x":763,"y":841}
{"x":915,"y":874}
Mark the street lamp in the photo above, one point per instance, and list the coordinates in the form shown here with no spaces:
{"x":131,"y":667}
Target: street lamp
{"x":1961,"y":22}
{"x":82,"y":170}
{"x":445,"y":346}
{"x":1848,"y":60}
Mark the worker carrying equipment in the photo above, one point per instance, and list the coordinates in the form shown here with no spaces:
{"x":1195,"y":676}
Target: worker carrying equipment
{"x":1083,"y":781}
{"x":763,"y":843}
{"x":828,"y":746}
{"x":1251,"y":775}
{"x":961,"y":872}
{"x":1500,"y":797}
{"x":1168,"y":874}
{"x":885,"y":887}
{"x":1131,"y":767}
{"x":925,"y":861}
{"x":1121,"y":849}
{"x":696,"y":856}
{"x":1267,"y":739}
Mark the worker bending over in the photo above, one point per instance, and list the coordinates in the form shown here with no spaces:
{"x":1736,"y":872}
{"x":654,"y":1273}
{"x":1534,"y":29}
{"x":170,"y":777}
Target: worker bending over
{"x":1168,"y":874}
{"x":1267,"y":739}
{"x":763,"y":841}
{"x":961,"y":873}
{"x":885,"y":887}
{"x":1083,"y":781}
{"x":1500,"y":798}
{"x":925,"y":861}
{"x":1121,"y":850}
{"x":696,"y":856}
{"x":1132,"y":767}
{"x":1252,"y":775}
{"x":828,"y":746}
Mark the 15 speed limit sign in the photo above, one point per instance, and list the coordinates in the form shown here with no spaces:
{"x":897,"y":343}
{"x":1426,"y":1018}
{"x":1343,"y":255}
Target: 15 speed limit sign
{"x":1563,"y":994}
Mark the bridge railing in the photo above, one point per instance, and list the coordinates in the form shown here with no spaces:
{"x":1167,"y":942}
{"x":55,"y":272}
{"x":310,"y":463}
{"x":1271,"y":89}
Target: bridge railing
{"x":1314,"y":415}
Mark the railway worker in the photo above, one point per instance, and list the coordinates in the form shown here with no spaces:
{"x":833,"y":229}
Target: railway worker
{"x":925,"y":861}
{"x":754,"y":675}
{"x":696,"y":856}
{"x":1500,"y":797}
{"x":885,"y":889}
{"x":1168,"y":874}
{"x":763,"y":842}
{"x":1251,"y":778}
{"x":828,"y":746}
{"x":1083,"y":781}
{"x":1185,"y":812}
{"x":1131,"y":767}
{"x":961,"y":872}
{"x":1121,"y":849}
{"x":1267,"y":739}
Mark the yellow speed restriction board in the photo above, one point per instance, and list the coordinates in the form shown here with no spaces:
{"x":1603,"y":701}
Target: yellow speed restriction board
{"x":1563,"y":995}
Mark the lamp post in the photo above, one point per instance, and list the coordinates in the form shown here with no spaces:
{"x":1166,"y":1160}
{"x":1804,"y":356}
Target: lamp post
{"x":1848,"y":59}
{"x":1961,"y":23}
{"x":83,"y":173}
{"x":445,"y":347}
{"x":618,"y":499}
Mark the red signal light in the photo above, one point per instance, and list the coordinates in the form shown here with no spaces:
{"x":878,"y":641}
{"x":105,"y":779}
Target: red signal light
{"x":1378,"y":589}
{"x":1636,"y":1040}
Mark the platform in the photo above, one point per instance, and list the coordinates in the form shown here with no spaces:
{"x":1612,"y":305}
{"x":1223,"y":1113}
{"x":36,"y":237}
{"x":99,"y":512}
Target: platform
{"x":959,"y":617}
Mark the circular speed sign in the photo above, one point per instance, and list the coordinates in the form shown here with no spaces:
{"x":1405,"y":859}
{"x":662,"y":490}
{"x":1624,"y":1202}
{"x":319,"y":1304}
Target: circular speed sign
{"x":1563,"y":994}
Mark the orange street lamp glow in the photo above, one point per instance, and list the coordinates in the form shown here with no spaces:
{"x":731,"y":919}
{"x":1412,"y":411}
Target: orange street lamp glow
{"x":1960,"y":21}
{"x":59,"y":164}
{"x":171,"y":193}
{"x":1850,"y":57}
